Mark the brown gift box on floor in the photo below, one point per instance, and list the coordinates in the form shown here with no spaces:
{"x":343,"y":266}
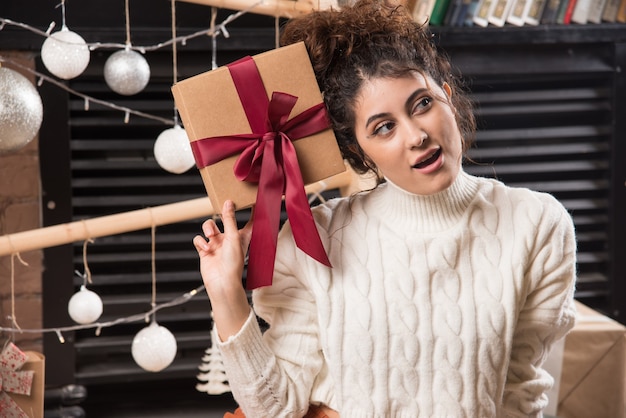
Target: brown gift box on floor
{"x":209,"y":106}
{"x":593,"y":377}
{"x":32,"y":404}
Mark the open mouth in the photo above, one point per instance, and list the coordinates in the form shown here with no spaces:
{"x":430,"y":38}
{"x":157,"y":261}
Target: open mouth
{"x":428,"y":161}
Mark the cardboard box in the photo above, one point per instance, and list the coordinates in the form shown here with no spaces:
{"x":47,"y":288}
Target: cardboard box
{"x":22,"y":376}
{"x":33,"y":404}
{"x":210,"y":106}
{"x":593,"y":376}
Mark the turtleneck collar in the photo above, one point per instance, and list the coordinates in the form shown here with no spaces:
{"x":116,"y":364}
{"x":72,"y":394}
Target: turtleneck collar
{"x":426,"y":213}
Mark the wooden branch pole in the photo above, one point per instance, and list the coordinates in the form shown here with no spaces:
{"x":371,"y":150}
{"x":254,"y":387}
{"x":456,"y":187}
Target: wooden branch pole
{"x":52,"y":236}
{"x":282,"y":8}
{"x":103,"y":226}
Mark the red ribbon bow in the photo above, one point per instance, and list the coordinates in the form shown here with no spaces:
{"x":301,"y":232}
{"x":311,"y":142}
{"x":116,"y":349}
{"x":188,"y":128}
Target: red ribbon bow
{"x":268,"y":158}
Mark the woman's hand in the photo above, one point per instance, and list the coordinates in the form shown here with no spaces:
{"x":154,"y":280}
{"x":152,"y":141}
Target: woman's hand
{"x":326,"y":412}
{"x":222,"y":254}
{"x":221,"y":265}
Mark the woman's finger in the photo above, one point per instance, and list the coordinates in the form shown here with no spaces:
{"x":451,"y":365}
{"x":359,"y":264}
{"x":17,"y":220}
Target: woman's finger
{"x":246,"y":231}
{"x":209,"y":228}
{"x":200,"y":243}
{"x":228,"y":218}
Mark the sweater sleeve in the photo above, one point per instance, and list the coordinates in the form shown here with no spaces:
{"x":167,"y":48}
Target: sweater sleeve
{"x":547,"y":313}
{"x":271,"y":373}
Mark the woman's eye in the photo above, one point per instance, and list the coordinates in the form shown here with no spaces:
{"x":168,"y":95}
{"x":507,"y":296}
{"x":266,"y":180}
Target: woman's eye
{"x":383,"y":128}
{"x":422,"y":104}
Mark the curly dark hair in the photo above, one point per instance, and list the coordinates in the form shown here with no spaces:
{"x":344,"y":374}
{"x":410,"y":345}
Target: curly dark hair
{"x":370,"y":39}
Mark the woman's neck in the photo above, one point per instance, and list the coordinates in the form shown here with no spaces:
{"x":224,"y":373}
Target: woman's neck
{"x":427,"y":213}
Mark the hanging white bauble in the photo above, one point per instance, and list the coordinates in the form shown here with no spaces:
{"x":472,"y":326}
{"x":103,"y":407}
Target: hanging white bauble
{"x":154,"y":348}
{"x":65,"y":54}
{"x":21,"y":110}
{"x":172,"y":150}
{"x":126,"y":72}
{"x":85,"y":306}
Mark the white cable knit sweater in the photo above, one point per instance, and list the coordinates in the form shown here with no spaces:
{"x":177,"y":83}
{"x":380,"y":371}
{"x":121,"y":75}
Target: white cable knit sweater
{"x":436,"y":306}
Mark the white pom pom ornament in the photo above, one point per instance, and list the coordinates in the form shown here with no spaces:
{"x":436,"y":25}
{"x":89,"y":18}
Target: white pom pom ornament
{"x":65,"y":54}
{"x":85,"y":306}
{"x":172,"y":150}
{"x":154,"y":348}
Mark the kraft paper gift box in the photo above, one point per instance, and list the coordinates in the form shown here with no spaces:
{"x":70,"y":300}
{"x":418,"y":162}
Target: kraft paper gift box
{"x":593,"y":376}
{"x":209,"y":106}
{"x":33,"y":404}
{"x":23,"y":382}
{"x":258,"y":130}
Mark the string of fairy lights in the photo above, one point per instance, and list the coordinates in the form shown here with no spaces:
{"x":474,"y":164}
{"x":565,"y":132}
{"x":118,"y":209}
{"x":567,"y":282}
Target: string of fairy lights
{"x":65,"y":55}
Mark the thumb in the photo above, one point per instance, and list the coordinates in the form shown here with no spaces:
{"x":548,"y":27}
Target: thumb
{"x":246,"y":231}
{"x":228,"y":218}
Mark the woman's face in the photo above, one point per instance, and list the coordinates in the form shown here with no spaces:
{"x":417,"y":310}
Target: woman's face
{"x":407,"y":128}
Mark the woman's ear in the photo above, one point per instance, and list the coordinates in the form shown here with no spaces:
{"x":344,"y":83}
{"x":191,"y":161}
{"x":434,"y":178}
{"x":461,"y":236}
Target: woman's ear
{"x":446,"y":87}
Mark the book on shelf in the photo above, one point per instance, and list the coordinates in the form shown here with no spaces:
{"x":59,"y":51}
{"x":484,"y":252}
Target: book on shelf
{"x":621,"y":12}
{"x":610,"y":11}
{"x":500,"y":12}
{"x":566,"y":8}
{"x":422,"y":10}
{"x":452,"y":13}
{"x":466,"y":16}
{"x":459,"y":13}
{"x":483,"y":10}
{"x":580,"y":13}
{"x":439,"y":12}
{"x":596,"y":8}
{"x":567,"y":19}
{"x":550,"y":12}
{"x":463,"y":14}
{"x":535,"y":11}
{"x":518,"y":12}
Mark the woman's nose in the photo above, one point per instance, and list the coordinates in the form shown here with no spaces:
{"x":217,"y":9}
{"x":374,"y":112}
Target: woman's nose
{"x":415,"y":136}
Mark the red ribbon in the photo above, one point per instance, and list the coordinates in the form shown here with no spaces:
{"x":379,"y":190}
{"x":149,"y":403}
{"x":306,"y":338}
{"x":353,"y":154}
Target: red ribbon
{"x":268,"y":158}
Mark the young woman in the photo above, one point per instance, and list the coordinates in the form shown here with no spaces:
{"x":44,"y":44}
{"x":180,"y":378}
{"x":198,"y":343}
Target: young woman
{"x":447,"y":290}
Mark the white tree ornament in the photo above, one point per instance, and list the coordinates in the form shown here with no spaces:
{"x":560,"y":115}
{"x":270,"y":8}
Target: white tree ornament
{"x":212,"y":378}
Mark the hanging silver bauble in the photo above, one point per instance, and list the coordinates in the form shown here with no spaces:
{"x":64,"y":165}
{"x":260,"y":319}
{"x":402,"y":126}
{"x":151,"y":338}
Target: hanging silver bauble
{"x":21,"y":110}
{"x":172,"y":150}
{"x":65,"y":54}
{"x":126,"y":72}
